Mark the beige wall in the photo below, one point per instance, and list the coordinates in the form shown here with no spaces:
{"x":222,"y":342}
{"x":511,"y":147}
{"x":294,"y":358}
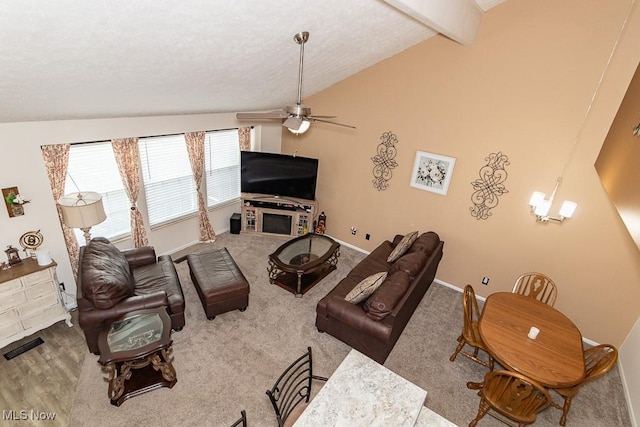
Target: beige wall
{"x":522,"y":88}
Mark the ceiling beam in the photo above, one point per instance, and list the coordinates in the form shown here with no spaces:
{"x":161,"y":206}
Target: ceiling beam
{"x":457,"y":19}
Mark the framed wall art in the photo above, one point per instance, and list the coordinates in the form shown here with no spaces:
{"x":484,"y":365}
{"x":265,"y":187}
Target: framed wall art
{"x":432,"y":172}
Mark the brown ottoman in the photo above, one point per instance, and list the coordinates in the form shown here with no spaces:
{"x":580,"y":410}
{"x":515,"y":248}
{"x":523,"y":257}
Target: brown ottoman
{"x":220,"y":284}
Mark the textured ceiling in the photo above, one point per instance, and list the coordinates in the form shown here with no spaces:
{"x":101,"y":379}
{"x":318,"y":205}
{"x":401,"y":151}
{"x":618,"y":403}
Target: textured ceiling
{"x":78,"y":59}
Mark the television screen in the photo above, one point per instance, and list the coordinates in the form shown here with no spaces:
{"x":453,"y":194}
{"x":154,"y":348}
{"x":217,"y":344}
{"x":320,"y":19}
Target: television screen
{"x":278,"y":175}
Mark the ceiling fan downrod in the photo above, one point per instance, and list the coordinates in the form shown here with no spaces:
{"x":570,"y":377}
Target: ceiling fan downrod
{"x":301,"y":38}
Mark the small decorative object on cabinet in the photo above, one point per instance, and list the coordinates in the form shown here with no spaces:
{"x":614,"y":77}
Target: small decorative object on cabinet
{"x":14,"y":201}
{"x":12,"y":255}
{"x":30,"y":300}
{"x":322,"y":223}
{"x":31,"y":241}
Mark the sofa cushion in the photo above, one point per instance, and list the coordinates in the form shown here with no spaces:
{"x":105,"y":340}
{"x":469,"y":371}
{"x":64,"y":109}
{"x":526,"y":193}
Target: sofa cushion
{"x":410,"y":263}
{"x":366,"y":287}
{"x":403,"y":246}
{"x":106,"y":276}
{"x":385,"y":298}
{"x":427,"y":243}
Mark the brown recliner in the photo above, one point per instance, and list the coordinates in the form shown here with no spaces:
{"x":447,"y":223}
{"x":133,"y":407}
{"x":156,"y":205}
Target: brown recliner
{"x":111,"y":283}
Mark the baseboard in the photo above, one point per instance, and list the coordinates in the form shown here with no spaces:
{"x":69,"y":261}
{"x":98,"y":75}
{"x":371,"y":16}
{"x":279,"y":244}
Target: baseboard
{"x":194,"y":242}
{"x":349,"y":245}
{"x":628,"y":397}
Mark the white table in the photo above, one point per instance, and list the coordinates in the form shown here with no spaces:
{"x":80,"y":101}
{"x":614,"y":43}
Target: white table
{"x":428,"y":418}
{"x":361,"y":392}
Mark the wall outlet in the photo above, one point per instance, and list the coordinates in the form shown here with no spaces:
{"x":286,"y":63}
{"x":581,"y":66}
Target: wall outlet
{"x":367,"y":236}
{"x":354,"y":230}
{"x":485,"y":280}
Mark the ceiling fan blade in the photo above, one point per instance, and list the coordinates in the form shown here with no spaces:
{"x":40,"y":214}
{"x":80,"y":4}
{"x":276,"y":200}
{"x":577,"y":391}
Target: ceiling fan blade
{"x":322,"y":117}
{"x":278,"y":114}
{"x":333,"y":123}
{"x":292,"y":123}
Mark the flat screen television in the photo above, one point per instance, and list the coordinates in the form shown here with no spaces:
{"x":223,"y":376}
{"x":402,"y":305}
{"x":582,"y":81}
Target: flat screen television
{"x":278,"y":175}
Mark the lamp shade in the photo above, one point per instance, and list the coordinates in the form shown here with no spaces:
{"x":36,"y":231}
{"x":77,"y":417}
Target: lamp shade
{"x":542,"y":209}
{"x":536,"y":198}
{"x":567,"y":209}
{"x":304,"y":126}
{"x":82,"y":210}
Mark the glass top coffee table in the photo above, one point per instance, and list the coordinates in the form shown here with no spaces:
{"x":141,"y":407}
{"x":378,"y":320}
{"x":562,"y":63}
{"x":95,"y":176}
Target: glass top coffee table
{"x":140,"y":341}
{"x":302,"y":262}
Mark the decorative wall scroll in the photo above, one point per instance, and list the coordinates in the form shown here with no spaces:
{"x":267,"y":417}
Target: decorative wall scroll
{"x":490,"y":185}
{"x":383,"y":162}
{"x":432,"y":172}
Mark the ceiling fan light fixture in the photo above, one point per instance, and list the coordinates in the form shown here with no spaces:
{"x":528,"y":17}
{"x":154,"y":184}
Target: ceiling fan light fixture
{"x":304,"y":126}
{"x":297,"y":117}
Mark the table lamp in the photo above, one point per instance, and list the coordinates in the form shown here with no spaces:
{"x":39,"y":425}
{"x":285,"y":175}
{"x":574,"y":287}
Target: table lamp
{"x":82,"y":210}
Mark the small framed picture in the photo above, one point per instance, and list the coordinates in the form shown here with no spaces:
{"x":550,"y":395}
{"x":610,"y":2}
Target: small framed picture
{"x":432,"y":172}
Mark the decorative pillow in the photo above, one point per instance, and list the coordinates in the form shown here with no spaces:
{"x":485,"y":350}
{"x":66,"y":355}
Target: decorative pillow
{"x":410,"y":263}
{"x":106,"y":276}
{"x":403,"y":246}
{"x":427,"y":243}
{"x":384,"y":299}
{"x":365,"y":288}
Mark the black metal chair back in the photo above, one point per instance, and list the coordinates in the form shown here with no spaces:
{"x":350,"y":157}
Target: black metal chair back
{"x":293,"y":387}
{"x":242,"y":421}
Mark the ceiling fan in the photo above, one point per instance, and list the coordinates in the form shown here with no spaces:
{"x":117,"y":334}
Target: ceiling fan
{"x":297,"y":117}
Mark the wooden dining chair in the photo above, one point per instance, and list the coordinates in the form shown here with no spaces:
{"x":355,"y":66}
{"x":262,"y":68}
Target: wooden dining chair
{"x":512,"y":395}
{"x":538,"y":286}
{"x":598,"y":360}
{"x":470,"y":335}
{"x":291,"y":392}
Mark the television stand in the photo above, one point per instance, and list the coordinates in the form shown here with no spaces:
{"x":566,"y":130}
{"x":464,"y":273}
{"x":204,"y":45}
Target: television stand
{"x":268,"y":214}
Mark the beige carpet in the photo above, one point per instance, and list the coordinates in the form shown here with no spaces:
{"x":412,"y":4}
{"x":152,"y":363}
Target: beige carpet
{"x":226,"y":365}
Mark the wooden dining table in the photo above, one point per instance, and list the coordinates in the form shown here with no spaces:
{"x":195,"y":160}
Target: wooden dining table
{"x":555,"y":358}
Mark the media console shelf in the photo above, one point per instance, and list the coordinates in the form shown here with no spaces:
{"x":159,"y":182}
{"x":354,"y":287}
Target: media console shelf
{"x":264,"y":214}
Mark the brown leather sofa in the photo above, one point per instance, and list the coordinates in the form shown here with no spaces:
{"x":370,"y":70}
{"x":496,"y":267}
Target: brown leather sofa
{"x":374,"y":325}
{"x":111,"y":283}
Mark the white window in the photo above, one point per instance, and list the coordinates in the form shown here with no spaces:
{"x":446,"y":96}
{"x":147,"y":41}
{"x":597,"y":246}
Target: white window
{"x":222,"y":166}
{"x":168,"y":180}
{"x":92,"y":167}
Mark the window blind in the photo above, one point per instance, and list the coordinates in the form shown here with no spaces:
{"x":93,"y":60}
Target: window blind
{"x":169,"y":188}
{"x":222,"y":166}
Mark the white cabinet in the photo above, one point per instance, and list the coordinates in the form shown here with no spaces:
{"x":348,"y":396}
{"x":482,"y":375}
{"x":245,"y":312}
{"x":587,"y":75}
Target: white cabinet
{"x":30,"y":300}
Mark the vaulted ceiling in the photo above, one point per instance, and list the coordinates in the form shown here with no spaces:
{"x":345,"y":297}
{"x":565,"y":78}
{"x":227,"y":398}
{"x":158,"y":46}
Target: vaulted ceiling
{"x":78,"y":59}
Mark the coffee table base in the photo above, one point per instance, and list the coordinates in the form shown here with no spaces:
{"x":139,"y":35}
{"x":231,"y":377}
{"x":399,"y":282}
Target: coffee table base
{"x":131,"y":378}
{"x":298,"y":284}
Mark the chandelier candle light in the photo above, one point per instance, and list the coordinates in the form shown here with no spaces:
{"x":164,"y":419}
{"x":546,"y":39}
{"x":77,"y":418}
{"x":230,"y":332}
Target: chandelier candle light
{"x":82,"y":210}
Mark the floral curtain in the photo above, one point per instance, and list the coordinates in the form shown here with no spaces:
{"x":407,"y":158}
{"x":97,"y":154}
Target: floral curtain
{"x":56,"y":159}
{"x":244,"y":135}
{"x":127,"y":157}
{"x":195,"y":147}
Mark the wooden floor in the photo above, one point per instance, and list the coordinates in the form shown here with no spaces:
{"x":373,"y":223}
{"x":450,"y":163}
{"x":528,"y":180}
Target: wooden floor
{"x":43,"y":379}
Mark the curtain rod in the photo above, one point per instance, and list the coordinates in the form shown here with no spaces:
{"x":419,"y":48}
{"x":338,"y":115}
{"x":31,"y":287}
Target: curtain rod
{"x":151,"y":136}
